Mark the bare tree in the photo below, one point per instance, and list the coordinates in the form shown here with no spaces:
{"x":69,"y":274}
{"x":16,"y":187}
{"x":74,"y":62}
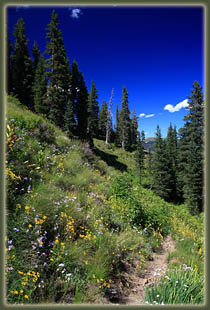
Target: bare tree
{"x":109,"y":120}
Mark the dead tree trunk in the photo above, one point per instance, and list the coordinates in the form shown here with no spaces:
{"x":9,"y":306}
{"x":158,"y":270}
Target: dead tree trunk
{"x":109,"y":121}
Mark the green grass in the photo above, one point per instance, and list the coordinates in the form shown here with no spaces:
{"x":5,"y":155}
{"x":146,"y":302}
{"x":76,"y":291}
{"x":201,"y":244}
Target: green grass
{"x":179,"y":286}
{"x":78,"y":218}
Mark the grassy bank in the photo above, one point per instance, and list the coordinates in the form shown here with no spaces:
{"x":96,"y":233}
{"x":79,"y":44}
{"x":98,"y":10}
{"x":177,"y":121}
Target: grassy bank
{"x":78,"y":218}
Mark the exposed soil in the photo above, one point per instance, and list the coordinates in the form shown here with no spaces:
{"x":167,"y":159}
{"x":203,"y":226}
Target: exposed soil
{"x":154,"y":270}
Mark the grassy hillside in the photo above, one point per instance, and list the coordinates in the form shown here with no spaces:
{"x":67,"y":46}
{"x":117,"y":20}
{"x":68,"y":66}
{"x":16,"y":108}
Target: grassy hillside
{"x":79,"y":221}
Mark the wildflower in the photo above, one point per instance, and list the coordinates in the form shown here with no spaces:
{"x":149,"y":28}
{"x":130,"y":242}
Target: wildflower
{"x":26,"y":296}
{"x":15,"y":229}
{"x":61,"y":265}
{"x":158,"y":296}
{"x":21,"y":291}
{"x":27,"y":208}
{"x":29,"y":225}
{"x":10,"y":268}
{"x":86,"y":262}
{"x":156,"y":274}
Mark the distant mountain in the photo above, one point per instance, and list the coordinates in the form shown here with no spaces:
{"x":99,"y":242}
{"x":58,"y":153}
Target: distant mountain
{"x":149,"y":143}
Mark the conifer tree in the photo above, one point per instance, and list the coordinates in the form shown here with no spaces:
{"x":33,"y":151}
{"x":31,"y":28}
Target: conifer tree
{"x":160,"y":177}
{"x":36,"y":55}
{"x":82,"y":108}
{"x":58,"y":92}
{"x":75,"y":77}
{"x":171,"y":153}
{"x":192,"y":149}
{"x":22,"y":69}
{"x":134,"y":129}
{"x":143,"y":137}
{"x":40,"y":88}
{"x":125,"y":122}
{"x":93,"y":111}
{"x":69,"y":120}
{"x":102,"y":120}
{"x":139,"y":154}
{"x":79,"y":101}
{"x":149,"y":165}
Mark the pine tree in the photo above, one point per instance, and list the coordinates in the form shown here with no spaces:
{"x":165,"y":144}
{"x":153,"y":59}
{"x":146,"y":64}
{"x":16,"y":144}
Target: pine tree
{"x":143,"y":137}
{"x":22,"y":69}
{"x":102,"y":120}
{"x":58,"y":92}
{"x":125,"y":122}
{"x":69,"y":120}
{"x":36,"y":55}
{"x":149,"y":169}
{"x":160,"y":177}
{"x":192,"y":148}
{"x":171,"y":153}
{"x":139,"y":155}
{"x":40,"y":88}
{"x":93,"y":111}
{"x":82,"y":108}
{"x":75,"y":77}
{"x":134,"y":129}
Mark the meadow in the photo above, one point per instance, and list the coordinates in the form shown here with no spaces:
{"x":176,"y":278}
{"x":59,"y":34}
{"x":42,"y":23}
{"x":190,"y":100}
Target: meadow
{"x":79,"y":219}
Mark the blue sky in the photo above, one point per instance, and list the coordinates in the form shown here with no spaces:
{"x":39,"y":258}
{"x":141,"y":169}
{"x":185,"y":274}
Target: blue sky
{"x":156,"y":52}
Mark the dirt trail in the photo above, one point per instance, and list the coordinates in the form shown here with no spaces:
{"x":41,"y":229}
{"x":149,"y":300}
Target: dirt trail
{"x":154,"y":270}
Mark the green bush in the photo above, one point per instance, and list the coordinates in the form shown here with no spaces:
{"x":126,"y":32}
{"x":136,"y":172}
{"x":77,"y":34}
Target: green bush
{"x":134,"y":204}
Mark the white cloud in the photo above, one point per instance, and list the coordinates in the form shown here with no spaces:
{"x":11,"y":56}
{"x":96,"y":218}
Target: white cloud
{"x":75,"y":13}
{"x":179,"y":106}
{"x":142,"y":115}
{"x":150,"y":115}
{"x":146,"y":116}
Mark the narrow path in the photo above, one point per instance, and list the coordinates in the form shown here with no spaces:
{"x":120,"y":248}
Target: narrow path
{"x":154,"y":270}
